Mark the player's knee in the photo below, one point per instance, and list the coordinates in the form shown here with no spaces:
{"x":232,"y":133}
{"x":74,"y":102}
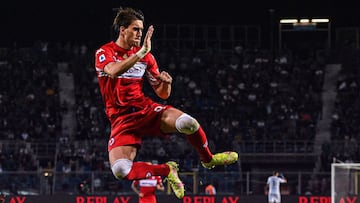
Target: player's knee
{"x":186,"y":124}
{"x":121,"y":168}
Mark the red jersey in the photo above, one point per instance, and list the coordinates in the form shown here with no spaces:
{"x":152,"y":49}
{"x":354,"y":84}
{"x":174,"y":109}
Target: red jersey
{"x":148,"y":188}
{"x":210,"y":190}
{"x":125,"y":90}
{"x":130,"y":112}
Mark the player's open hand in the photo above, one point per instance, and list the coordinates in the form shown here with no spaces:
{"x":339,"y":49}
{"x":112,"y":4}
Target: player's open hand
{"x":147,"y":39}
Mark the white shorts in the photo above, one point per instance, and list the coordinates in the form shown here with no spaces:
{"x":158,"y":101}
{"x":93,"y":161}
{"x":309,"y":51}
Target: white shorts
{"x":274,"y":198}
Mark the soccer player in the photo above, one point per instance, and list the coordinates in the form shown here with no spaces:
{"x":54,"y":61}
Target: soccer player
{"x":146,"y":188}
{"x":120,"y":67}
{"x":273,"y":185}
{"x":210,"y":189}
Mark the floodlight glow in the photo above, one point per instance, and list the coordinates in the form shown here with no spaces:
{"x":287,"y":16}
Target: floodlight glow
{"x":304,"y":20}
{"x":288,"y":21}
{"x":320,"y":20}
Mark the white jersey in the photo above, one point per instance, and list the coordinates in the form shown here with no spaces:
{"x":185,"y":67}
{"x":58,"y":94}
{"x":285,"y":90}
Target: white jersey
{"x":274,"y":188}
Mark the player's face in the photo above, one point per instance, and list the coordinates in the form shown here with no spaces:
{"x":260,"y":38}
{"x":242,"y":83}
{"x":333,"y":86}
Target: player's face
{"x":133,"y":33}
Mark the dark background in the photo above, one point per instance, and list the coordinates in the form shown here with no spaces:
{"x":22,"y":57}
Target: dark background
{"x":26,"y":21}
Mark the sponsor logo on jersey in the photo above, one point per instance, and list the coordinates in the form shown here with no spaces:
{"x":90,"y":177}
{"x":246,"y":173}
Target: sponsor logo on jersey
{"x":159,"y":108}
{"x":148,"y":183}
{"x":137,"y":71}
{"x":102,"y":58}
{"x":148,"y":174}
{"x":111,"y":141}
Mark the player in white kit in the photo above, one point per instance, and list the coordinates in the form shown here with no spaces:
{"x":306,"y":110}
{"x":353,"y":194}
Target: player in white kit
{"x":273,"y":184}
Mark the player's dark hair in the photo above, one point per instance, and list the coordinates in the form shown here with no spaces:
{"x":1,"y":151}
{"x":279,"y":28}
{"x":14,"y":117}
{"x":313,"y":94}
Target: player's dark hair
{"x":125,"y":16}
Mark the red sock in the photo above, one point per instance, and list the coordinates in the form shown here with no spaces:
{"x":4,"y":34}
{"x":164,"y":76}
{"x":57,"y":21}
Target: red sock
{"x":141,"y":170}
{"x":198,"y":140}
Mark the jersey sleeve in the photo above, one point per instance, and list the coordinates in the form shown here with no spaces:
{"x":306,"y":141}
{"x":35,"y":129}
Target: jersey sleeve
{"x":103,"y":56}
{"x":152,"y":70}
{"x":136,"y":182}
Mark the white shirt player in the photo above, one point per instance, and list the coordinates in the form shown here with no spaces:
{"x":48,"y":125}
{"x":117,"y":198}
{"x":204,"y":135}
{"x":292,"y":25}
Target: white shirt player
{"x":273,"y":183}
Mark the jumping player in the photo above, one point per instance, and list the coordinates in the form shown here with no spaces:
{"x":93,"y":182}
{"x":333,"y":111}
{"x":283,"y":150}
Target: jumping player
{"x":120,"y":67}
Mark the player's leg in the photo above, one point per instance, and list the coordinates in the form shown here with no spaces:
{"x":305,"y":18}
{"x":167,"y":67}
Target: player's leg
{"x":123,"y":167}
{"x":124,"y":144}
{"x":272,"y":198}
{"x":277,"y":198}
{"x":174,"y":120}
